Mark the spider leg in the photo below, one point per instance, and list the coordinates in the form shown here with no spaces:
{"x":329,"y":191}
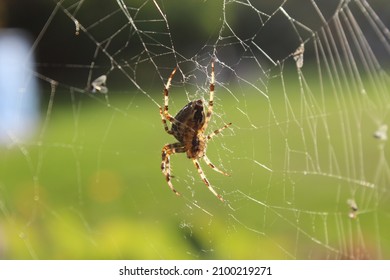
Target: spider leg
{"x":164,"y":121}
{"x":167,"y":150}
{"x":166,"y":114}
{"x":211,"y":98}
{"x":209,"y":163}
{"x":215,"y":132}
{"x":200,"y":171}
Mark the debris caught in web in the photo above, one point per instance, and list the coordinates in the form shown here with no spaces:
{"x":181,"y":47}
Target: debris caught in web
{"x":381,"y":133}
{"x":298,"y":55}
{"x":99,"y":84}
{"x":77,"y":26}
{"x":353,"y":208}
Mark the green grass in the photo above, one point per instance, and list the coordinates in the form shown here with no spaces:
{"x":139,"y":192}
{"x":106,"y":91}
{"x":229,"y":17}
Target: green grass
{"x":91,"y":187}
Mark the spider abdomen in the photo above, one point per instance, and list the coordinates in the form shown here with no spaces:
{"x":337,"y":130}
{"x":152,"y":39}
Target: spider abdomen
{"x":190,"y":120}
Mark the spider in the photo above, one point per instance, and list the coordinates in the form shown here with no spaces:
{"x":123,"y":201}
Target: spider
{"x":188,"y":127}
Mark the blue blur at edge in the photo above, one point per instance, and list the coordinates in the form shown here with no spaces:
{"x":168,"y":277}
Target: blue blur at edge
{"x":19,"y":99}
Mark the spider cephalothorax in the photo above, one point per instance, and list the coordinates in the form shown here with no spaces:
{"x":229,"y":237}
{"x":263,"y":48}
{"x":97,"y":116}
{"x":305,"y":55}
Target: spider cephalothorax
{"x":188,"y":127}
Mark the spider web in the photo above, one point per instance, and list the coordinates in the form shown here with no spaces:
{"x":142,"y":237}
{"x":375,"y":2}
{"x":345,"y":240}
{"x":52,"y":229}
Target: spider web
{"x":304,"y":84}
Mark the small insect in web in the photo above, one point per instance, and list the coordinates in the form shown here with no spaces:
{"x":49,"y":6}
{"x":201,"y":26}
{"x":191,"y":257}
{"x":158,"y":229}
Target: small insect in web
{"x":188,"y":127}
{"x":99,"y":84}
{"x":298,"y":55}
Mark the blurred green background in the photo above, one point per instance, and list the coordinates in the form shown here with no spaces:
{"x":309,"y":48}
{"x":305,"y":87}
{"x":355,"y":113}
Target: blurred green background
{"x":89,"y":185}
{"x":91,"y":188}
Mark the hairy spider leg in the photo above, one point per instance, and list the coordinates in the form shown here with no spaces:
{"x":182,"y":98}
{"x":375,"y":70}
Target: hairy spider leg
{"x":215,"y":132}
{"x":211,"y":98}
{"x":209,"y":163}
{"x":200,"y":171}
{"x":164,"y":121}
{"x":168,"y":150}
{"x":166,"y":114}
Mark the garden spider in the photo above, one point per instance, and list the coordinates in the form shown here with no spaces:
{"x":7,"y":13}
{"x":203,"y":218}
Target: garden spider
{"x":188,"y":127}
